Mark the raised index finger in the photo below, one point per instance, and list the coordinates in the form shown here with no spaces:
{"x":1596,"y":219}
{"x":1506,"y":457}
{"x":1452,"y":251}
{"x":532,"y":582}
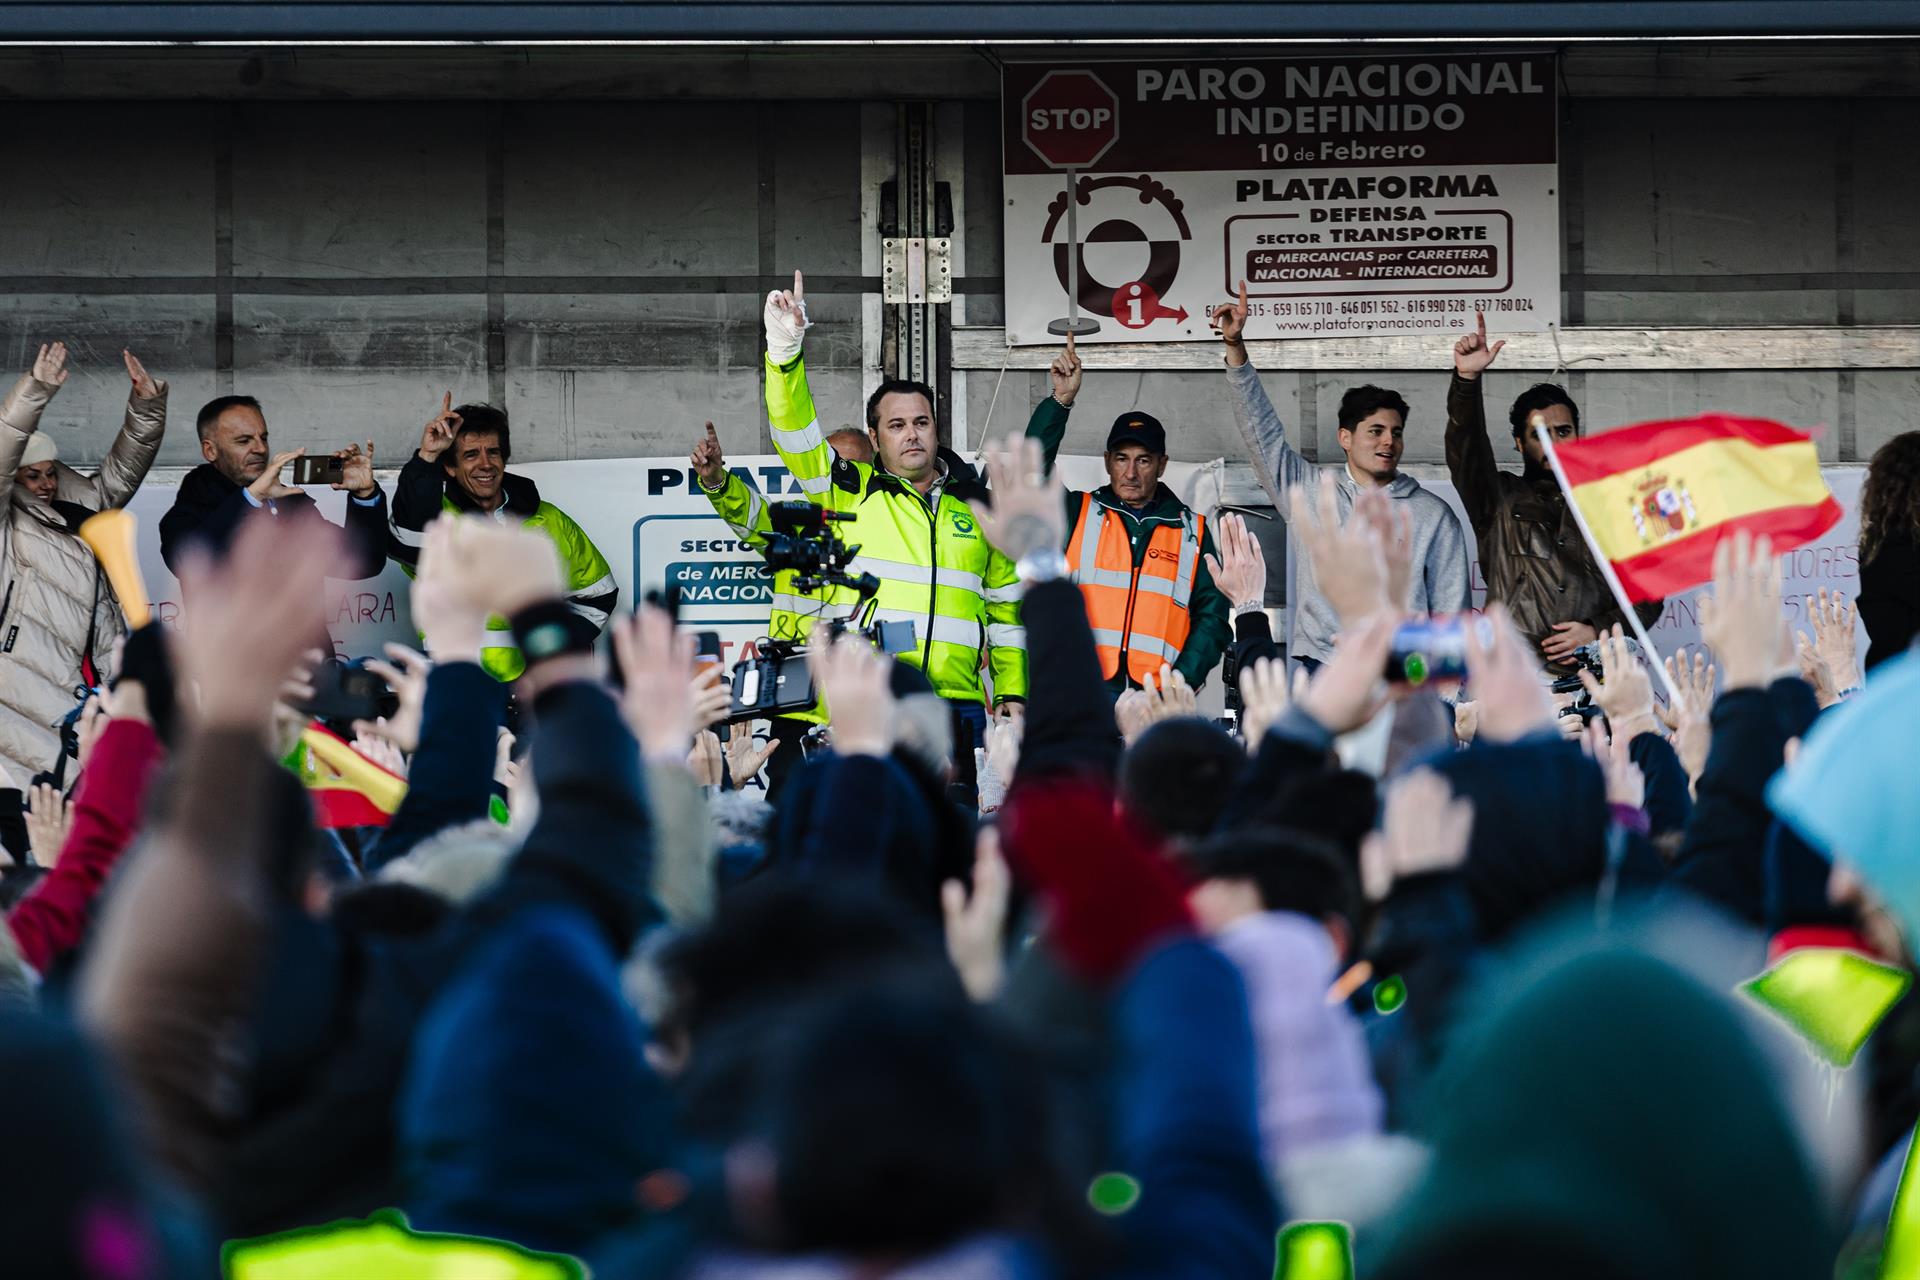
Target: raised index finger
{"x":1480,"y":324}
{"x":1243,"y":295}
{"x":799,"y":286}
{"x":1070,"y":354}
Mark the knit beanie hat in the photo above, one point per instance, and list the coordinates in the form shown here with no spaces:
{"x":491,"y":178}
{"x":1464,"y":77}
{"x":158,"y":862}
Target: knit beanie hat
{"x":40,"y":448}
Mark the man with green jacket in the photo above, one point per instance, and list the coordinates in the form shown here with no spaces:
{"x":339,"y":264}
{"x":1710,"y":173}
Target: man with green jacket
{"x":461,"y":466}
{"x":1138,"y":553}
{"x":912,"y":524}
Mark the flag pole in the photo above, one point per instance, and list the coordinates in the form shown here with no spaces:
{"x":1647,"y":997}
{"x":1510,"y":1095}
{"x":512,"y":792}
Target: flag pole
{"x":1606,"y":565}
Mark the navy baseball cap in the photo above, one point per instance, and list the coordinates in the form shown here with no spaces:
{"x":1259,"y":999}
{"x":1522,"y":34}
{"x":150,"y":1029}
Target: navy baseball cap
{"x":1138,"y":428}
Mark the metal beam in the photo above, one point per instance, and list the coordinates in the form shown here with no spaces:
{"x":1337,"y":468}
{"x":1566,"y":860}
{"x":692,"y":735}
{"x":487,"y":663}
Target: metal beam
{"x":465,"y":21}
{"x":1590,"y":350}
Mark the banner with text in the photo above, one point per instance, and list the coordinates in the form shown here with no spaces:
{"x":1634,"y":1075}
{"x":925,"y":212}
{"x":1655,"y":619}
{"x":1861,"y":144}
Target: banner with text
{"x":649,"y":519}
{"x":1353,"y":195}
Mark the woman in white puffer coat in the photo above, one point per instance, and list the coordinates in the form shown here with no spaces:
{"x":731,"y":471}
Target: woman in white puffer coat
{"x":59,"y":618}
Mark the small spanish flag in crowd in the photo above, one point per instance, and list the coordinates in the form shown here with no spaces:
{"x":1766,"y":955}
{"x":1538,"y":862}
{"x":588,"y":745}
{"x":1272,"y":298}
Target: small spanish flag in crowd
{"x":348,"y":790}
{"x":1659,"y":497}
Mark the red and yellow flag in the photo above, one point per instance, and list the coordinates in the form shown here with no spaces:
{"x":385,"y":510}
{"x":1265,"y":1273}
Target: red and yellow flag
{"x":347,"y":789}
{"x":1659,"y":497}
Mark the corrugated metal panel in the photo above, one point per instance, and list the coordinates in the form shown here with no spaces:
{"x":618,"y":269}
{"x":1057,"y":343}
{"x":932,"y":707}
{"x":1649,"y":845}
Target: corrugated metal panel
{"x":983,"y":20}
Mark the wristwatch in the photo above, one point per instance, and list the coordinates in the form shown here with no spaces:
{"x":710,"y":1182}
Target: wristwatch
{"x":1043,"y":566}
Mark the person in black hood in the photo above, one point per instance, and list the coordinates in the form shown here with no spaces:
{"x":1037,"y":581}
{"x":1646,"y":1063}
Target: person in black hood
{"x":241,"y":476}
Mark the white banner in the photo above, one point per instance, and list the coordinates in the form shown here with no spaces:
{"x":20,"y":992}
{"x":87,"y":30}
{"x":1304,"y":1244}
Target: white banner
{"x":653,"y":525}
{"x":1352,"y":195}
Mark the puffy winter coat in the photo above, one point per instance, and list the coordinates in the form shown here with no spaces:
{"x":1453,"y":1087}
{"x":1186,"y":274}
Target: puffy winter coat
{"x":54,"y":598}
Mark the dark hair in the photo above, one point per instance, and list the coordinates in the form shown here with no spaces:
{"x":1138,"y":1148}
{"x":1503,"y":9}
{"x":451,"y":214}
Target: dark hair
{"x":889,"y":1120}
{"x":1541,"y":395}
{"x":780,"y":936}
{"x":210,"y":411}
{"x":1890,"y":498}
{"x":1293,"y":870}
{"x":1361,"y":403}
{"x":481,"y":419}
{"x":1177,"y":776}
{"x":899,"y":386}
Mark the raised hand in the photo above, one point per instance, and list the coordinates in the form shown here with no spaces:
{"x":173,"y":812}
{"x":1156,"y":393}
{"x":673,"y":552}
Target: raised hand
{"x":490,"y":567}
{"x":50,"y":366}
{"x":1170,"y":696}
{"x":1264,"y":698}
{"x":1028,"y":513}
{"x":1834,"y":638}
{"x":1511,"y":699}
{"x":240,"y":647}
{"x":1348,"y":561}
{"x":1065,"y":373}
{"x":1393,"y":527}
{"x":356,"y":473}
{"x":855,"y":680}
{"x":49,"y":819}
{"x":371,"y":742}
{"x":704,"y":759}
{"x":1626,"y":697}
{"x":1350,"y":690}
{"x":452,"y":628}
{"x":657,"y":668}
{"x":406,"y":675}
{"x":268,"y":487}
{"x":144,"y":386}
{"x":1472,"y":354}
{"x":1229,"y":320}
{"x":1741,"y":619}
{"x":437,"y":436}
{"x":746,"y":756}
{"x":1695,"y":682}
{"x":977,"y":922}
{"x":786,"y":321}
{"x":1241,"y":569}
{"x":712,"y":695}
{"x":709,"y":461}
{"x":1424,"y":828}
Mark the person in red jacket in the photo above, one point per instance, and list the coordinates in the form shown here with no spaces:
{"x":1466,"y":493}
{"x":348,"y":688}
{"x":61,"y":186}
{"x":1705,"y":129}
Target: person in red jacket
{"x":52,"y":918}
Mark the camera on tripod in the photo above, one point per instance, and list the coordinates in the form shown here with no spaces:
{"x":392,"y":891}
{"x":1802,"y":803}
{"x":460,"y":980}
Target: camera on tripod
{"x":777,"y":681}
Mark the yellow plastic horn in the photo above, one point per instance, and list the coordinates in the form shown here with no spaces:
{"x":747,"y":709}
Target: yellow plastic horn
{"x":110,"y":534}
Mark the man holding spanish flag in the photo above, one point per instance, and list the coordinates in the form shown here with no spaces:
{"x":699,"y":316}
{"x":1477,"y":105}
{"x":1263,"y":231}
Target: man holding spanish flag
{"x":1531,"y":551}
{"x":1626,"y":518}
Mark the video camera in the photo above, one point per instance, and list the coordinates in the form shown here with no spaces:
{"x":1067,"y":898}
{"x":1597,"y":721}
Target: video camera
{"x":1585,"y":658}
{"x":777,"y":681}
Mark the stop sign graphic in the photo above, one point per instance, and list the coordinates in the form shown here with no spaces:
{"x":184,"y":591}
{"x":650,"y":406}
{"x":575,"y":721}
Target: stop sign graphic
{"x":1070,"y":119}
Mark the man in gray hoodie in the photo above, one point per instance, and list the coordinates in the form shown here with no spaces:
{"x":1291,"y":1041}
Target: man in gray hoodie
{"x":1372,"y":427}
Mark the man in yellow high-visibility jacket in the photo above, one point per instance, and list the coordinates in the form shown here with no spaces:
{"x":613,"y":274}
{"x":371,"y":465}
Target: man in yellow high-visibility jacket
{"x":913,"y":526}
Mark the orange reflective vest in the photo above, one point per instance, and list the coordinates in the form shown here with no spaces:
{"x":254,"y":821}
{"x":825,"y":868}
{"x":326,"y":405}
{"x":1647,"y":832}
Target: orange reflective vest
{"x":1138,"y":612}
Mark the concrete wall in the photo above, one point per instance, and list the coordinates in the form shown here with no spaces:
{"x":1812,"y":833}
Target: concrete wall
{"x":598,"y":265}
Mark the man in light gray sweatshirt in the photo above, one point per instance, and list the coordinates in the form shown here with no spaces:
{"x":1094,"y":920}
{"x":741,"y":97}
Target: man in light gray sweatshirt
{"x":1372,"y":426}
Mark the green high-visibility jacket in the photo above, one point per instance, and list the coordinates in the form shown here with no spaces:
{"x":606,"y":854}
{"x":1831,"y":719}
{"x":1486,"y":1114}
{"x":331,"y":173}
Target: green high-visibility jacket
{"x":424,"y":491}
{"x":936,"y":569}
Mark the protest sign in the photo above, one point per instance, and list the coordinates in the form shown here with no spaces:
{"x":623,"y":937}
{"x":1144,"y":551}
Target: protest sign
{"x":1370,"y":195}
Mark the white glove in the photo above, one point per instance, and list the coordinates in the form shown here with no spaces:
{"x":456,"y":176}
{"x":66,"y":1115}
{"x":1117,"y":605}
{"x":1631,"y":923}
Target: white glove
{"x":787,"y":323}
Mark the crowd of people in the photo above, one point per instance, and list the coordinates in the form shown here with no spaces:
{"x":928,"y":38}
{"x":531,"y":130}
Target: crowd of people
{"x":1023,"y":968}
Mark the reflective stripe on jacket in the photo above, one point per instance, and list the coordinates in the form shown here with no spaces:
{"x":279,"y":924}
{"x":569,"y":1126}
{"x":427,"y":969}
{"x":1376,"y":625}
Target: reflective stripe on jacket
{"x":424,"y":491}
{"x":935,"y":568}
{"x":1137,"y":612}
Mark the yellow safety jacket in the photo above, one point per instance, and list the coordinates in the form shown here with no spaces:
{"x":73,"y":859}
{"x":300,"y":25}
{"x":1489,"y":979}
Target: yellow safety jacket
{"x":936,"y":570}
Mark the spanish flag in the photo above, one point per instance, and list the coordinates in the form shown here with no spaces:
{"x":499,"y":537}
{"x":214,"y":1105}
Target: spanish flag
{"x":1659,"y":497}
{"x":348,"y":790}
